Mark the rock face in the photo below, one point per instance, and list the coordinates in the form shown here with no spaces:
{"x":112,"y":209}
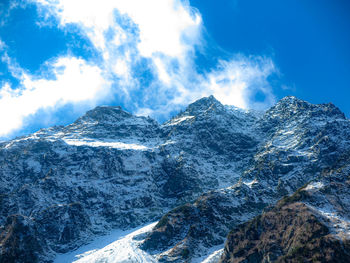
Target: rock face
{"x":19,"y":241}
{"x":299,"y":142}
{"x":205,"y":171}
{"x":110,"y":169}
{"x":312,"y":225}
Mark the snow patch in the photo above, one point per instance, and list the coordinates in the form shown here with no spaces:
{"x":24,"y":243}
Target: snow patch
{"x":120,"y":246}
{"x":338,"y":226}
{"x":123,"y":247}
{"x":179,"y":120}
{"x":111,"y":144}
{"x":213,"y":255}
{"x":250,"y":184}
{"x":314,"y":186}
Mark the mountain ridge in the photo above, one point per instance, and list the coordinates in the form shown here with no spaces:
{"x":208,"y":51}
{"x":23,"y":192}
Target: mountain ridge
{"x":207,"y":169}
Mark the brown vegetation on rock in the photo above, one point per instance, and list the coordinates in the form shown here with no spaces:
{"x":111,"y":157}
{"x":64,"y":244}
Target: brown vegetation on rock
{"x":287,"y":233}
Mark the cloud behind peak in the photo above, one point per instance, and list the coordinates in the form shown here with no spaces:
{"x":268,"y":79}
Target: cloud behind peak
{"x":146,"y":60}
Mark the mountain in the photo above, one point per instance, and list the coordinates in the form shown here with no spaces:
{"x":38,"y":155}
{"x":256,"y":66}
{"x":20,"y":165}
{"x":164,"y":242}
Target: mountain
{"x":204,"y":172}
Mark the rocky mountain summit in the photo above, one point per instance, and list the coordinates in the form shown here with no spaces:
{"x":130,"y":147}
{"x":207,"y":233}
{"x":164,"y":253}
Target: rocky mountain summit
{"x":210,"y":169}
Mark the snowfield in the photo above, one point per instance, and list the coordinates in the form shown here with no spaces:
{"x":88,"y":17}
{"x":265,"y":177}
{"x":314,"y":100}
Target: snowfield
{"x":119,"y":246}
{"x":123,"y":247}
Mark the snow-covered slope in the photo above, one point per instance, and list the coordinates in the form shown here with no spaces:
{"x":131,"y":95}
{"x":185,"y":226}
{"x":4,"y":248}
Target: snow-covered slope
{"x":120,"y":246}
{"x":124,"y":247}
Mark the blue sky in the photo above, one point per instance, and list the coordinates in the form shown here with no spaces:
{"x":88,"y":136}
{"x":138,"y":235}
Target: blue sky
{"x":61,"y":58}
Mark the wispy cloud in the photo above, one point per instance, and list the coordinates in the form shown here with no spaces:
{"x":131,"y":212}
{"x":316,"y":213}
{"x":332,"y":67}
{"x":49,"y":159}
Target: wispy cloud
{"x":235,"y":82}
{"x":5,"y":9}
{"x":74,"y":81}
{"x":146,"y":58}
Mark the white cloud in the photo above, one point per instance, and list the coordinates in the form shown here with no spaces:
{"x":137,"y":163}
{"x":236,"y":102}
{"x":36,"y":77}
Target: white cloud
{"x":163,"y":31}
{"x":74,"y":81}
{"x":162,"y":71}
{"x":233,"y":82}
{"x":157,"y":37}
{"x":236,"y":82}
{"x":166,"y":26}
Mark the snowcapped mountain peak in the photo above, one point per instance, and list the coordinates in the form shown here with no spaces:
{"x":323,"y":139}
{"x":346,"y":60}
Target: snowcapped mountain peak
{"x":111,"y":123}
{"x":291,"y":103}
{"x":291,"y":107}
{"x":290,"y":99}
{"x":202,"y":108}
{"x":204,"y":104}
{"x":105,"y":113}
